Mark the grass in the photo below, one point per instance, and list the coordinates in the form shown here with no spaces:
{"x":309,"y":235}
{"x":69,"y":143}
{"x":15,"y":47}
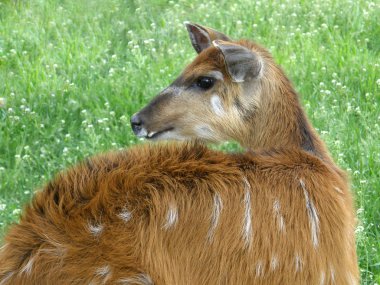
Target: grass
{"x":72,"y":73}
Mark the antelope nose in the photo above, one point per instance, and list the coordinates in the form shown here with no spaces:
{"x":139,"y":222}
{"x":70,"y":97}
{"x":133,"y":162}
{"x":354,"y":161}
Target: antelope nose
{"x":137,"y":126}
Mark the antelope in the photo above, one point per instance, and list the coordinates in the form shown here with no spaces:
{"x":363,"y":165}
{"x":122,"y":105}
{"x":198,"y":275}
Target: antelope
{"x":280,"y":212}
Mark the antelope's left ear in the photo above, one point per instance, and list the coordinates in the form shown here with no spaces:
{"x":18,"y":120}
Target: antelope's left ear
{"x":241,"y":63}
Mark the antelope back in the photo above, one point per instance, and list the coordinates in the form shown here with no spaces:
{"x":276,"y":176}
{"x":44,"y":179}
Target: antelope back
{"x":184,"y":214}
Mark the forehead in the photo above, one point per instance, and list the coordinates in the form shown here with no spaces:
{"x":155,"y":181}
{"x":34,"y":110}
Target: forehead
{"x":208,"y":60}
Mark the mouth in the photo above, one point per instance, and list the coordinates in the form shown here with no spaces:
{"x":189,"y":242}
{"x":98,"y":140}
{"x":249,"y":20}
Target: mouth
{"x":155,"y":135}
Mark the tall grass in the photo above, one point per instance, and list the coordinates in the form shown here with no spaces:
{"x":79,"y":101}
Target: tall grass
{"x":72,"y":73}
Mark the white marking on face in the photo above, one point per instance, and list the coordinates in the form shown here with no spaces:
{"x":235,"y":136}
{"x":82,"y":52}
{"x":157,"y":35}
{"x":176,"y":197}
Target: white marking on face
{"x":247,"y":224}
{"x":298,"y":262}
{"x":313,"y":215}
{"x":216,"y":105}
{"x":104,"y":272}
{"x":278,"y":216}
{"x":216,"y":74}
{"x":95,"y":229}
{"x":125,"y":215}
{"x":274,"y":263}
{"x":142,"y":279}
{"x":171,"y":217}
{"x":218,"y":206}
{"x":151,"y":134}
{"x":6,"y":278}
{"x":259,"y":269}
{"x":28,"y":267}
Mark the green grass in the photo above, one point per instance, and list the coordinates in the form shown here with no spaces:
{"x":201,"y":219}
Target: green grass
{"x":72,"y":73}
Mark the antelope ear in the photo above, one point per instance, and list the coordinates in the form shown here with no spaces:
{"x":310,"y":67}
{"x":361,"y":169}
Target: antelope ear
{"x":202,"y":37}
{"x":241,"y":63}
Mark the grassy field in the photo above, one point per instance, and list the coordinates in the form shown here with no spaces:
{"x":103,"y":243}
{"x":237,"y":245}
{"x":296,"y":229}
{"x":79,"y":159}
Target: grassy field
{"x":72,"y":73}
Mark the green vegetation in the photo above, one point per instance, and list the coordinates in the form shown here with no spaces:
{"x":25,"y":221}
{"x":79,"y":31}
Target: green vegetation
{"x":73,"y":72}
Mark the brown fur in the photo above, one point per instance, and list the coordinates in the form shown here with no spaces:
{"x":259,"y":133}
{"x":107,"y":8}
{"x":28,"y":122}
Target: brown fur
{"x":145,"y":180}
{"x":180,"y":213}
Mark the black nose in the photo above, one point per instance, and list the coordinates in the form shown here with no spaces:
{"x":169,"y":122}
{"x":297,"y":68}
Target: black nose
{"x":136,"y":123}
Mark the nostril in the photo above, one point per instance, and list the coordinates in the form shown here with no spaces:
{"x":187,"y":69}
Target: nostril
{"x":136,"y":120}
{"x":136,"y":123}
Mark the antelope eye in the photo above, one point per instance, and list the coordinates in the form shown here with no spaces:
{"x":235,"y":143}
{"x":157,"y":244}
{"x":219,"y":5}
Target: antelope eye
{"x":205,"y":82}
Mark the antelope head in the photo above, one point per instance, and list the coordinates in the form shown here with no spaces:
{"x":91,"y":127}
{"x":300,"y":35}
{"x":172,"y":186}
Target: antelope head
{"x":232,"y":90}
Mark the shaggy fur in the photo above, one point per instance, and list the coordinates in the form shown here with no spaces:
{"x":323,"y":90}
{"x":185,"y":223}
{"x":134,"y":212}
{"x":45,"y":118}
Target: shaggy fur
{"x":74,"y":231}
{"x":180,"y":213}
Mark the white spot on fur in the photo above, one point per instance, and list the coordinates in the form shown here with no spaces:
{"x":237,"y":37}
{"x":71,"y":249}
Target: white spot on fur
{"x":142,"y":279}
{"x":216,"y":104}
{"x":125,"y":215}
{"x":95,"y":229}
{"x":6,"y":278}
{"x":313,"y":215}
{"x":278,"y":216}
{"x":322,"y":278}
{"x":332,"y":273}
{"x":171,"y":217}
{"x":247,"y":225}
{"x":338,"y":190}
{"x":3,"y":248}
{"x":218,"y":206}
{"x":298,"y":262}
{"x":104,"y":272}
{"x":274,"y":263}
{"x":259,"y":269}
{"x":28,"y":266}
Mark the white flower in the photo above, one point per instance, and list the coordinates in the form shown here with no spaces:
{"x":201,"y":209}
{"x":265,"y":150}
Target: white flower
{"x":16,"y":211}
{"x":2,"y":102}
{"x":359,"y":229}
